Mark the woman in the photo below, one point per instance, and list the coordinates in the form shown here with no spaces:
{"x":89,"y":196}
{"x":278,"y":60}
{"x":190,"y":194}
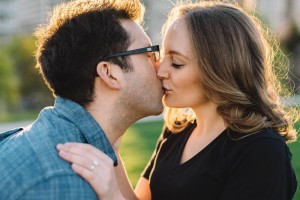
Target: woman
{"x":226,"y":130}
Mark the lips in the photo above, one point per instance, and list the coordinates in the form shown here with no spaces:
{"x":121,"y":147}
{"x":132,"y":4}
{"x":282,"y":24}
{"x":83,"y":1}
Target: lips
{"x":165,"y":89}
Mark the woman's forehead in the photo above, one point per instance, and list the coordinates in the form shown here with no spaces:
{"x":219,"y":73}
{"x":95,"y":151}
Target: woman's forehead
{"x":176,"y":35}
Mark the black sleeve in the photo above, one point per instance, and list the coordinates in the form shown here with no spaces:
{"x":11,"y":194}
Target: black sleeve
{"x":149,"y":166}
{"x":262,"y":172}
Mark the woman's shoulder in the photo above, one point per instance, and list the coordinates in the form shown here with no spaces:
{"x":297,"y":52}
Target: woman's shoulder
{"x":264,"y":135}
{"x":264,"y":142}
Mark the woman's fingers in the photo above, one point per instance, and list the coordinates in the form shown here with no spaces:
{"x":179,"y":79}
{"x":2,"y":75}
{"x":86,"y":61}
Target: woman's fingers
{"x":83,"y":155}
{"x":91,"y":176}
{"x":102,"y":181}
{"x":94,"y":166}
{"x":79,"y":160}
{"x":82,"y":150}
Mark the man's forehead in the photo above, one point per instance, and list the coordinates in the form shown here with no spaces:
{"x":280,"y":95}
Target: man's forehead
{"x":141,"y":41}
{"x":137,"y":34}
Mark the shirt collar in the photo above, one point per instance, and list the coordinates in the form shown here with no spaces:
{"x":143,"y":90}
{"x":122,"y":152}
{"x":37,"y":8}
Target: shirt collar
{"x":90,"y":129}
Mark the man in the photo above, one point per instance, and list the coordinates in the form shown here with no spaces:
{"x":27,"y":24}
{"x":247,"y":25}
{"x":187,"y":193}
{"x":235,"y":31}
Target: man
{"x":100,"y":65}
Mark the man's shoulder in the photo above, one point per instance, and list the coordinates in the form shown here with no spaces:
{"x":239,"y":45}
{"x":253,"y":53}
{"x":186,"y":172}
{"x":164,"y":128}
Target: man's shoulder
{"x":29,"y":158}
{"x":59,"y":186}
{"x":29,"y":154}
{"x":59,"y":183}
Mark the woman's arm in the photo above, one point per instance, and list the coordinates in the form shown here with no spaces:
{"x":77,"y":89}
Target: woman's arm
{"x":123,"y":180}
{"x":142,"y":189}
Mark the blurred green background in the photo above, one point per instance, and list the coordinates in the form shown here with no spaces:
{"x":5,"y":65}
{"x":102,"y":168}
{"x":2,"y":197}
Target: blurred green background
{"x":140,"y":139}
{"x":23,"y":92}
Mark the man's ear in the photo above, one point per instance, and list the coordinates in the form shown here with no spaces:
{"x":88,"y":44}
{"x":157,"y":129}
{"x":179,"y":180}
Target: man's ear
{"x":110,"y":74}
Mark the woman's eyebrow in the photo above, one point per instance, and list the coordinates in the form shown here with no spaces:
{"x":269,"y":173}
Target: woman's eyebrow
{"x":177,"y":53}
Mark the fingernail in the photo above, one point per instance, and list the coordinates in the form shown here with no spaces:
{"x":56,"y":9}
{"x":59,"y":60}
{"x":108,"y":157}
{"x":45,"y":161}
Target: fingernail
{"x":62,"y":153}
{"x":75,"y":167}
{"x":59,"y":146}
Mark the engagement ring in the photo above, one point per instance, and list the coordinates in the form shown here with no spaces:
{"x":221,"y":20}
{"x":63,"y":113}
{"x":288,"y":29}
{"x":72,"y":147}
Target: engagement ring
{"x":95,"y":163}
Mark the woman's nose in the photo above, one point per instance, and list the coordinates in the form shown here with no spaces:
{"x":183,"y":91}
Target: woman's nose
{"x":161,"y":72}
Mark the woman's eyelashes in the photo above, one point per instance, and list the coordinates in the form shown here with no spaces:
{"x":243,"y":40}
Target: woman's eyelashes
{"x":169,"y":58}
{"x":175,"y":65}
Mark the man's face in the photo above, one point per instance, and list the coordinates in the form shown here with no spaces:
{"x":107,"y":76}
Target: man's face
{"x":143,"y":91}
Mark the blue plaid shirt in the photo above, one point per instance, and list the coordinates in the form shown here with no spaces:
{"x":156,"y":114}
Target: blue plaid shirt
{"x":30,"y":167}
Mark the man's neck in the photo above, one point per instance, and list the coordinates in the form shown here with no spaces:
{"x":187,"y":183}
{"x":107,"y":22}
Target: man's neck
{"x":112,"y":120}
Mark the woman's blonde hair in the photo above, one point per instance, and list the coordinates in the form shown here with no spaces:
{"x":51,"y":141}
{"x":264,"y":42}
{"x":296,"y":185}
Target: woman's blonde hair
{"x":236,"y":57}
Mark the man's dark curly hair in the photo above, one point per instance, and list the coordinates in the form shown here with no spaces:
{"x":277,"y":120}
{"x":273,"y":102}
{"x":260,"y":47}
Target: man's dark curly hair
{"x":78,"y":34}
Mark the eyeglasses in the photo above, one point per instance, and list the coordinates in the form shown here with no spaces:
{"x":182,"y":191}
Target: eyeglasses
{"x":155,"y":55}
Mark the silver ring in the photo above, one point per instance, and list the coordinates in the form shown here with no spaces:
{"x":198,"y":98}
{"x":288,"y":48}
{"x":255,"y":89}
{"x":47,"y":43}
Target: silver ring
{"x":95,"y":163}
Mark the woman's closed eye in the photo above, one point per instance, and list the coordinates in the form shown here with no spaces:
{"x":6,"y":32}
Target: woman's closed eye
{"x":177,"y":66}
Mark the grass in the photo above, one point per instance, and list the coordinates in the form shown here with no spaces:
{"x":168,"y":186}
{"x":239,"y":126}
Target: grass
{"x":137,"y":146}
{"x":140,"y":139}
{"x":295,"y":149}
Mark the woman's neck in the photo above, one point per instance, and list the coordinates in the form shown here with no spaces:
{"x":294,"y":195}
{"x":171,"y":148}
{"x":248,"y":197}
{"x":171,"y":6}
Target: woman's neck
{"x":208,"y":119}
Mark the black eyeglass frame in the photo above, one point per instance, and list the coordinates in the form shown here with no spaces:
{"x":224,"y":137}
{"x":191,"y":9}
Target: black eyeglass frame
{"x":154,"y":48}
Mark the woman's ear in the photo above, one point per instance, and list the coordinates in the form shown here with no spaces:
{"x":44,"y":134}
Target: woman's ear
{"x":110,"y":74}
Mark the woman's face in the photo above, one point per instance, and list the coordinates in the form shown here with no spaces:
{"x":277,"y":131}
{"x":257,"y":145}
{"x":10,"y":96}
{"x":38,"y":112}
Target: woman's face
{"x":179,"y":71}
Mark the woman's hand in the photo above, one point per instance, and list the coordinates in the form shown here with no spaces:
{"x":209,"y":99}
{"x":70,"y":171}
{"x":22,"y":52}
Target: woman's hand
{"x":94,"y":166}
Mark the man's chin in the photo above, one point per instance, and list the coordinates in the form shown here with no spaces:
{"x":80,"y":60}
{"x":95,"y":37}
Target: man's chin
{"x":160,"y":110}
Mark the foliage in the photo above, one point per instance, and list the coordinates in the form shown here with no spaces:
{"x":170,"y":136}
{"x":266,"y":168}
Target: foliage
{"x":291,"y":46}
{"x":19,"y":116}
{"x":22,"y":81}
{"x":9,"y":94}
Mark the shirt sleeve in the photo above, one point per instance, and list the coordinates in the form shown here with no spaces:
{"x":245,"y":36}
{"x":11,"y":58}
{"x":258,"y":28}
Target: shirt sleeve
{"x":263,"y":171}
{"x":69,"y":187}
{"x":147,"y":171}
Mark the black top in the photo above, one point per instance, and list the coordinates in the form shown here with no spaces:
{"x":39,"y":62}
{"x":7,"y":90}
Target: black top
{"x":256,"y":167}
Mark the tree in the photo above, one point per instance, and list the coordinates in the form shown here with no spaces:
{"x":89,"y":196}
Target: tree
{"x":9,"y":93}
{"x":33,"y":91}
